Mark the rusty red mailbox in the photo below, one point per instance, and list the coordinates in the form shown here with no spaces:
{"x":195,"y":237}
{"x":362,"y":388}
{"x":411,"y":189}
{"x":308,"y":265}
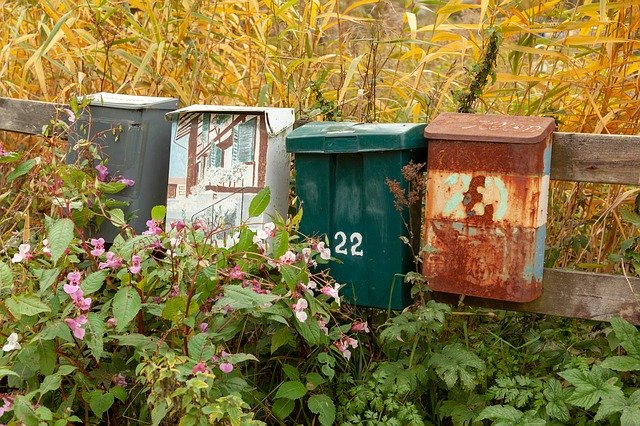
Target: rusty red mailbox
{"x":486,"y":205}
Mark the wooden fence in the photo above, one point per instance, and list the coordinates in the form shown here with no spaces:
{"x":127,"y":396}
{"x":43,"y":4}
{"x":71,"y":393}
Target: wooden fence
{"x":577,"y":157}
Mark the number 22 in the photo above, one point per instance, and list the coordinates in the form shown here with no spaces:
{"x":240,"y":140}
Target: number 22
{"x":356,"y":242}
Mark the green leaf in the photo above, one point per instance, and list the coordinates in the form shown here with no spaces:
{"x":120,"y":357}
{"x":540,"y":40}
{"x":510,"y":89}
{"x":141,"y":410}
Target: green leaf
{"x":176,"y":307}
{"x":556,"y":395}
{"x":455,"y":362}
{"x":627,"y":334}
{"x":100,"y":402}
{"x":158,"y":213}
{"x":6,"y":276}
{"x":139,"y":341}
{"x":260,"y":202}
{"x":590,"y":386}
{"x":93,"y":282}
{"x":280,"y":244}
{"x":60,"y":236}
{"x":293,"y":275}
{"x":621,"y":363}
{"x":116,"y":216}
{"x":199,"y":347}
{"x":239,"y":297}
{"x":282,"y":336}
{"x":50,"y":383}
{"x":46,"y":277}
{"x":245,"y":241}
{"x":500,"y":413}
{"x":126,"y":305}
{"x":46,"y":351}
{"x":311,"y":332}
{"x":291,"y":390}
{"x":110,"y":187}
{"x":95,"y":330}
{"x":323,"y":406}
{"x":119,"y":392}
{"x":20,"y":170}
{"x":26,"y":305}
{"x":283,"y":407}
{"x":6,"y":372}
{"x":630,"y":216}
{"x":291,"y":372}
{"x":23,"y":411}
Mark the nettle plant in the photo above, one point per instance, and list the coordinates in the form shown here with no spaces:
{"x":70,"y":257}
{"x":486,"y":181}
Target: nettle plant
{"x":192,"y":324}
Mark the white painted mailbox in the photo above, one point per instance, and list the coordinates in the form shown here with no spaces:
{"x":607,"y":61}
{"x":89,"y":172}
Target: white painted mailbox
{"x":221,"y":156}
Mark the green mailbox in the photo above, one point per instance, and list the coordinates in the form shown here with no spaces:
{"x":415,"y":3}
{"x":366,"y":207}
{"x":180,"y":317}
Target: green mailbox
{"x":135,"y":138}
{"x":341,"y":172}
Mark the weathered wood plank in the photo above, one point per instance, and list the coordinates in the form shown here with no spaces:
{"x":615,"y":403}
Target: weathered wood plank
{"x":573,"y":294}
{"x":24,"y":116}
{"x":585,"y":157}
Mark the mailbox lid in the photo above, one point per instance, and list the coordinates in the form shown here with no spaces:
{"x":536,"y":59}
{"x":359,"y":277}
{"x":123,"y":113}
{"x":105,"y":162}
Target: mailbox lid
{"x":490,"y":128}
{"x":115,"y":100}
{"x":345,"y":137}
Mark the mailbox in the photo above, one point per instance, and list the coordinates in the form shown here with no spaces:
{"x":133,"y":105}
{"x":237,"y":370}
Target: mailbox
{"x":221,"y":156}
{"x":341,"y":170}
{"x":133,"y":137}
{"x":486,"y":205}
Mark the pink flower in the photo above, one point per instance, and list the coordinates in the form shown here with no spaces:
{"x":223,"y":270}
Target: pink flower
{"x":135,"y":264}
{"x":298,"y":309}
{"x":199,"y":368}
{"x":178,"y":225}
{"x":128,"y":182}
{"x":98,"y":246}
{"x":24,"y":253}
{"x":7,"y":405}
{"x":332,"y":292}
{"x":112,"y":322}
{"x":288,"y":258}
{"x":103,"y":172}
{"x":203,"y":326}
{"x":72,"y":289}
{"x":82,"y":303}
{"x":268,"y":230}
{"x":226,"y":367}
{"x":360,"y":326}
{"x":235,"y":273}
{"x":119,"y":380}
{"x":45,"y":247}
{"x":343,"y":345}
{"x":152,"y":228}
{"x":322,"y":324}
{"x":112,"y":261}
{"x":74,"y":277}
{"x":76,"y":326}
{"x":325,"y":253}
{"x":175,"y":290}
{"x":71,"y":117}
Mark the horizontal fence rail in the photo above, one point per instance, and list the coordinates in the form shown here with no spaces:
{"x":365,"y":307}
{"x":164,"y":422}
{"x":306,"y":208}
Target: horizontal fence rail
{"x":578,"y":157}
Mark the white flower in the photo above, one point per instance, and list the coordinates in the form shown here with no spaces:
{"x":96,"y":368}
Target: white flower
{"x":23,"y":253}
{"x":325,"y":252}
{"x":12,"y":343}
{"x":299,"y":308}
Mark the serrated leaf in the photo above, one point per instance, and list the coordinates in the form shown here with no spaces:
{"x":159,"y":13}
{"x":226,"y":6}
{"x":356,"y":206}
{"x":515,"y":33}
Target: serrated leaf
{"x":139,"y":341}
{"x":292,"y":275}
{"x":500,"y":413}
{"x":6,"y":276}
{"x":291,"y":372}
{"x":239,"y":297}
{"x":621,"y":363}
{"x":291,"y":390}
{"x":281,"y":337}
{"x":126,"y":305}
{"x":60,"y":236}
{"x":280,"y":244}
{"x":95,"y":331}
{"x":455,"y":362}
{"x":119,"y":392}
{"x":100,"y":402}
{"x":93,"y":282}
{"x":627,"y":334}
{"x":197,"y":346}
{"x":46,"y":278}
{"x":282,"y":408}
{"x":26,"y":305}
{"x":311,"y":332}
{"x":245,"y":241}
{"x":47,"y":356}
{"x":116,"y":216}
{"x":50,"y":383}
{"x":590,"y":386}
{"x":630,"y":216}
{"x":110,"y":187}
{"x":20,"y":170}
{"x":260,"y":202}
{"x":323,"y":406}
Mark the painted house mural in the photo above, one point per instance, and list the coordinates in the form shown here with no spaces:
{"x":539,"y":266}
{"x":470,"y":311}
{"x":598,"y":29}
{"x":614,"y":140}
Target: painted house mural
{"x":221,"y":157}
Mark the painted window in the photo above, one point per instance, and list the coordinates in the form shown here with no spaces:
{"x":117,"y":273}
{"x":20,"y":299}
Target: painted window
{"x":244,"y":135}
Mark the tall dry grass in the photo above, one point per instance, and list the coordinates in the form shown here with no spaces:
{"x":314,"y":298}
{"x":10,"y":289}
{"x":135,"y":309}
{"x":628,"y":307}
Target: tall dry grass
{"x":370,"y":60}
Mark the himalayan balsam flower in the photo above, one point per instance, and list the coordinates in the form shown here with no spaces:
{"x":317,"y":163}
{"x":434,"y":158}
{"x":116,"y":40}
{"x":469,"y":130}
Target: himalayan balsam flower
{"x":112,"y":261}
{"x":322,"y":324}
{"x":325,"y":252}
{"x":76,"y":326}
{"x":82,"y":303}
{"x":112,"y":322}
{"x":298,"y":309}
{"x":71,"y":117}
{"x":152,"y":228}
{"x":343,"y":345}
{"x":235,"y":273}
{"x":203,"y":326}
{"x":12,"y":343}
{"x":199,"y":368}
{"x":128,"y":182}
{"x":135,"y":264}
{"x":24,"y":253}
{"x":226,"y":367}
{"x":360,"y":326}
{"x":103,"y":172}
{"x":119,"y":380}
{"x":7,"y":405}
{"x":288,"y":258}
{"x":45,"y":247}
{"x":267,"y":231}
{"x":178,"y":225}
{"x":332,"y":292}
{"x":98,"y":246}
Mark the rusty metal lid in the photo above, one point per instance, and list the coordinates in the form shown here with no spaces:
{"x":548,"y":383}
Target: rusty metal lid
{"x":489,"y":128}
